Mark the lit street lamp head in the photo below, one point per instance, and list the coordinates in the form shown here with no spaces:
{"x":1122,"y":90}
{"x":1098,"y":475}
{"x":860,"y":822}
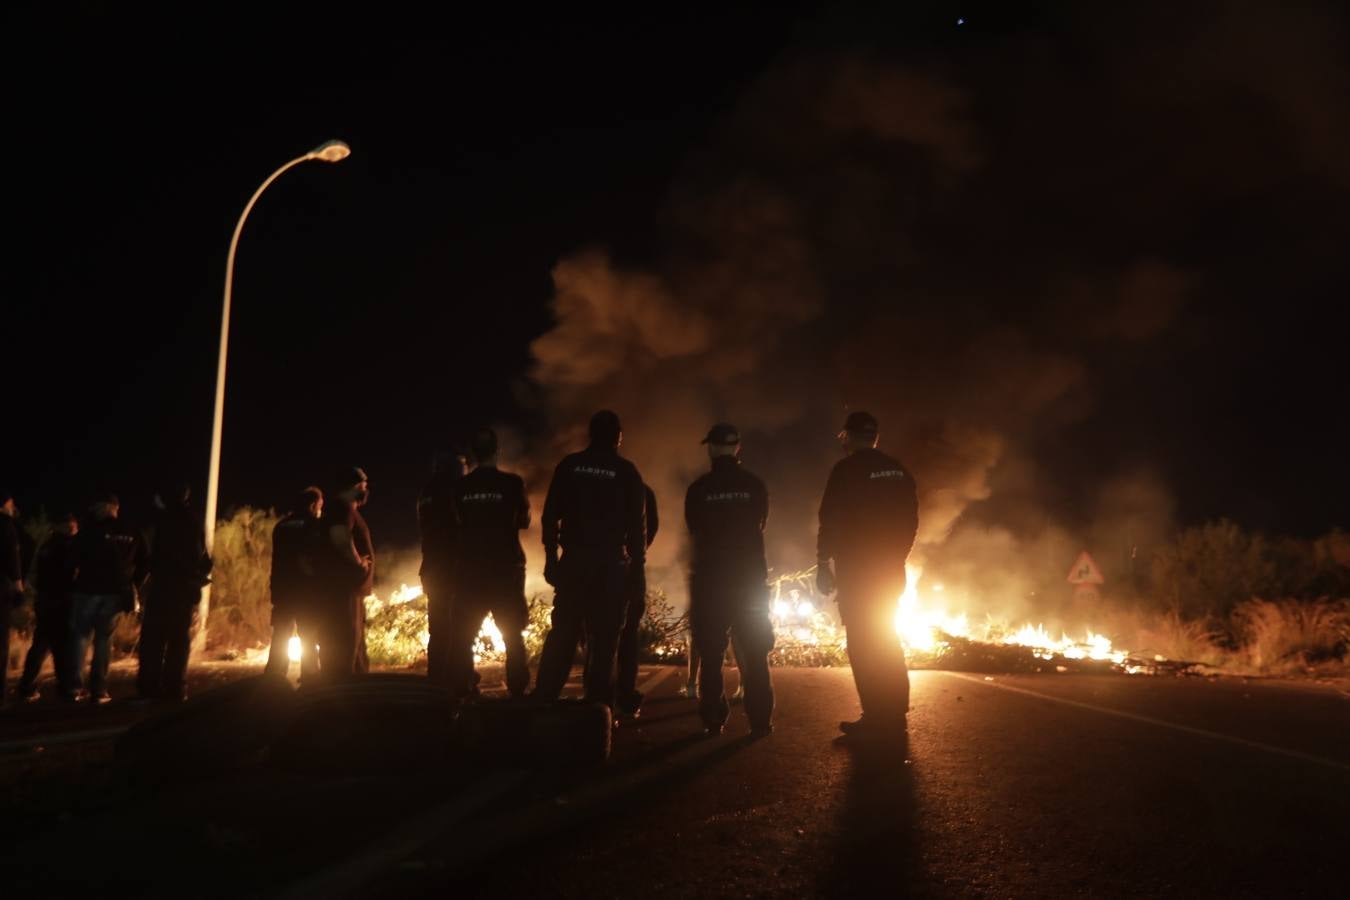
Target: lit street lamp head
{"x":331,"y":151}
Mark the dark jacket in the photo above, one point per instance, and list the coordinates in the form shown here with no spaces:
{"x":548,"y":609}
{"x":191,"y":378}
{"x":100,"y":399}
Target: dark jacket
{"x":11,"y":554}
{"x":109,"y":557}
{"x":178,"y":558}
{"x":726,"y":510}
{"x":295,"y":548}
{"x":595,"y":508}
{"x":437,"y":525}
{"x":55,"y":568}
{"x":868,"y":516}
{"x":653,"y":519}
{"x":491,"y":510}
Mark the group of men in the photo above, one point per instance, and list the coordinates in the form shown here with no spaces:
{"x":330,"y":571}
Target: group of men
{"x":599,"y":518}
{"x":87,"y":575}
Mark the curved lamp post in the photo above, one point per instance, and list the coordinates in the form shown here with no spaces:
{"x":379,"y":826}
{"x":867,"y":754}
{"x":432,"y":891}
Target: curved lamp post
{"x":331,"y":151}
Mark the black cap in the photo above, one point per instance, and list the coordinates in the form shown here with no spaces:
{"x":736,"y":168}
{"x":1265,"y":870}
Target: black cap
{"x":862,"y":423}
{"x":350,"y":477}
{"x":723,"y":433}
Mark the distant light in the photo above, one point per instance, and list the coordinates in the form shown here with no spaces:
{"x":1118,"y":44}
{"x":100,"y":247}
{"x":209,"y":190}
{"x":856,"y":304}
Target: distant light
{"x":960,"y":21}
{"x":331,"y":151}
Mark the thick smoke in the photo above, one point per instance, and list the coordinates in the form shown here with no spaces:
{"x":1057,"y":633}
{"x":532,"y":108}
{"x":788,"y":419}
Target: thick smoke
{"x":967,"y":256}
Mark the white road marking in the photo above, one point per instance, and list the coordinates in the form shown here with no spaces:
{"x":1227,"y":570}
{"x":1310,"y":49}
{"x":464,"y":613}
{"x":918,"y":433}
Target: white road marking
{"x":1161,"y":723}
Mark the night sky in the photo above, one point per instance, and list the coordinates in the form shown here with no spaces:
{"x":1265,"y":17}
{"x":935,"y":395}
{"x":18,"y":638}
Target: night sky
{"x":1139,"y":210}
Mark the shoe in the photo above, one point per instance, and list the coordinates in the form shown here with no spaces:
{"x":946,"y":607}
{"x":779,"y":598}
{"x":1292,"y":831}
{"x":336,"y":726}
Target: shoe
{"x":30,"y":695}
{"x":100,"y":698}
{"x":866,"y":730}
{"x":713,"y":730}
{"x":760,"y":731}
{"x":72,"y":696}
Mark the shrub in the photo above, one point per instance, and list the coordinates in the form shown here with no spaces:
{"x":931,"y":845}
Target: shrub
{"x":1286,"y":635}
{"x":241,"y":602}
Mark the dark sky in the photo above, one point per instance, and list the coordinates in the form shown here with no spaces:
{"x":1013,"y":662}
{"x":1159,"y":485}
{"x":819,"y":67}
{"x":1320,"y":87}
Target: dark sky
{"x":386,"y":305}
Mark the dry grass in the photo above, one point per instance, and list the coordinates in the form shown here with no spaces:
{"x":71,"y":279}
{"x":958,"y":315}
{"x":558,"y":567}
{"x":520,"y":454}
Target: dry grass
{"x":241,"y":602}
{"x":1170,"y":636}
{"x":1286,"y":636}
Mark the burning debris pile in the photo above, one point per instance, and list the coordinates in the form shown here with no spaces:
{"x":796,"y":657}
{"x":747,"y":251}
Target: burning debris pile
{"x":935,"y":636}
{"x":397,"y":635}
{"x":807,"y":633}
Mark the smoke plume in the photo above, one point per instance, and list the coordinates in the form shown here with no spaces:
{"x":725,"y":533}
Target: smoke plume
{"x":968,"y":256}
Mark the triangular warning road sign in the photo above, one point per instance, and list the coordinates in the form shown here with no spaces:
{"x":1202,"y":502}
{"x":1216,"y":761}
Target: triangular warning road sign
{"x":1085,"y":570}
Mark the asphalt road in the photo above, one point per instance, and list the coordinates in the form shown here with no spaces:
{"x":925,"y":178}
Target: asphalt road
{"x":1033,"y":786}
{"x":1015,"y":786}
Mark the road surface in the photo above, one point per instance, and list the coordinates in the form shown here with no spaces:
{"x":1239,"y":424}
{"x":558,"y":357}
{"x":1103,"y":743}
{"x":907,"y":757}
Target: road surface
{"x":1010,"y":786}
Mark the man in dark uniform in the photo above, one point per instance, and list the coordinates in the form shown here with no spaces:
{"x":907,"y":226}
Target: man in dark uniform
{"x":595,"y":513}
{"x":491,"y":509}
{"x":726,"y":510}
{"x":53,"y":578}
{"x":11,"y":581}
{"x":627,"y":696}
{"x":292,"y":585}
{"x":179,"y":568}
{"x":111,"y":565}
{"x":869,"y":517}
{"x":438,"y":527}
{"x":346,"y":573}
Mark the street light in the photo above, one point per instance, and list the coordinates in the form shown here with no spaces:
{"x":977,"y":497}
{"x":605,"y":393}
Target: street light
{"x":329,"y":151}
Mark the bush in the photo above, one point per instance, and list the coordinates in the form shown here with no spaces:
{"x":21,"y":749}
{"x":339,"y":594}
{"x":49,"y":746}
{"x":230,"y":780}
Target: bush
{"x":1207,"y":571}
{"x":1292,"y":635}
{"x":241,"y":601}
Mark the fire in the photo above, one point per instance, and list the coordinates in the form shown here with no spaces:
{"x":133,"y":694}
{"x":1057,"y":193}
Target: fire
{"x":293,"y":648}
{"x":921,"y":629}
{"x":487,"y":646}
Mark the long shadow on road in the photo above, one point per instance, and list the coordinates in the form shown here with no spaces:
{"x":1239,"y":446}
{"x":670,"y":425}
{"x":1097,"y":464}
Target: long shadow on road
{"x":877,"y":850}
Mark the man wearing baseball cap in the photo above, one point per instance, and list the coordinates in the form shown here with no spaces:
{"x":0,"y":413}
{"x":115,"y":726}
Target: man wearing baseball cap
{"x":726,"y":510}
{"x":868,"y":521}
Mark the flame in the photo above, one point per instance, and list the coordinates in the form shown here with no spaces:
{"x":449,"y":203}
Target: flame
{"x":921,"y":628}
{"x":488,"y":636}
{"x":293,"y":648}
